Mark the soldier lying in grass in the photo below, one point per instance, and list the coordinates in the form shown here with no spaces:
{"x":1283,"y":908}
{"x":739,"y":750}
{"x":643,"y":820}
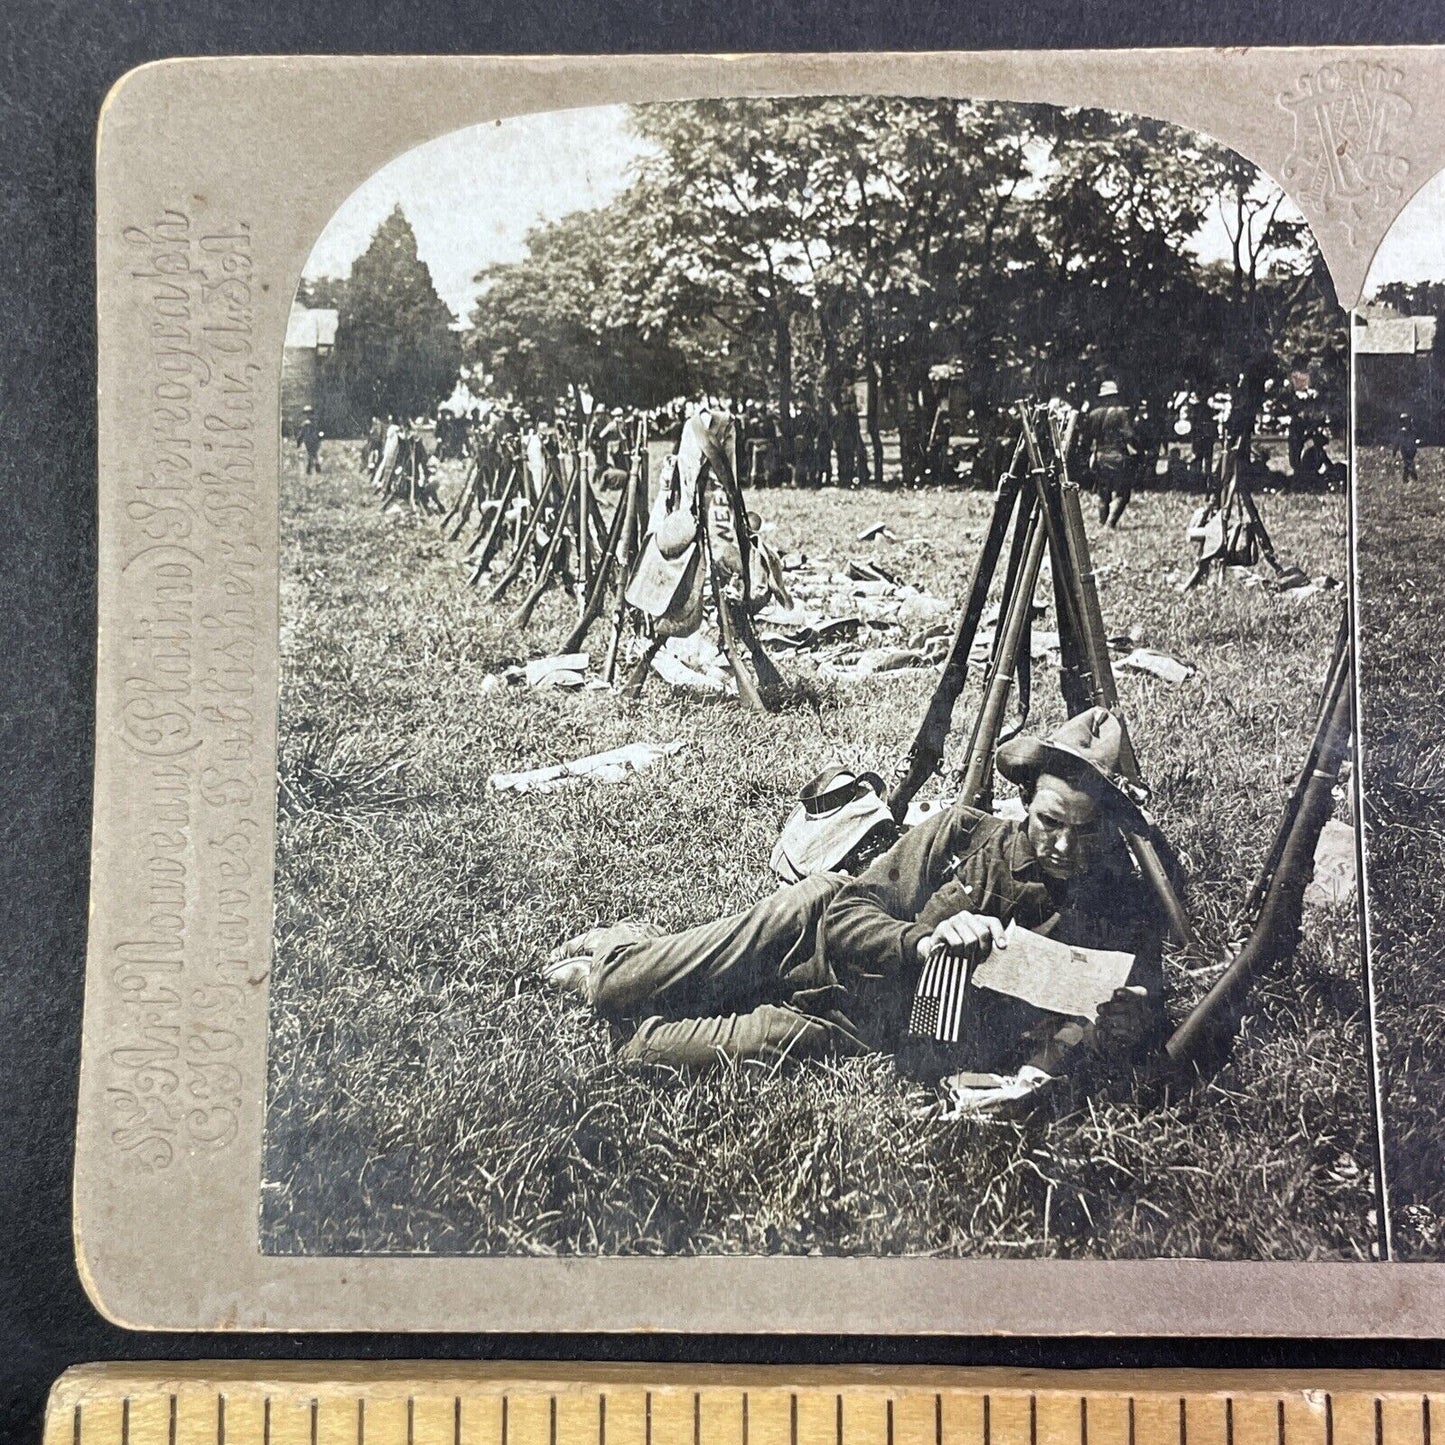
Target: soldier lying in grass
{"x":841,"y":963}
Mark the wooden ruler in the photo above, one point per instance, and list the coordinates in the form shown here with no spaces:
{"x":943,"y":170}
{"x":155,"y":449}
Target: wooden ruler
{"x":399,"y":1403}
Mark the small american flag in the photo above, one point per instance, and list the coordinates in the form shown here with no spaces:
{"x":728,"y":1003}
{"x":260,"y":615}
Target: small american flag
{"x":938,"y":1001}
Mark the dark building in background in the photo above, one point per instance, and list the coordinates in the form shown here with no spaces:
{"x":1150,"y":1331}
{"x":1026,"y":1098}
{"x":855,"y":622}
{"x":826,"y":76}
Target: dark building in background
{"x":307,"y":376}
{"x":1397,"y":369}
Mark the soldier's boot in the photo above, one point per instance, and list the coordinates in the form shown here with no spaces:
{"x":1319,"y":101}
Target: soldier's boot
{"x":1116,"y":510}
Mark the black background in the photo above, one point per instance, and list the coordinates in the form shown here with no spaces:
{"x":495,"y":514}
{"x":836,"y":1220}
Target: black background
{"x":57,"y":60}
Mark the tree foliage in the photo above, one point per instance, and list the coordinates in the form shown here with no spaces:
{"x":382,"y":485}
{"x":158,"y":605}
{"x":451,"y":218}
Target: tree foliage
{"x":395,"y":349}
{"x":554,"y":323}
{"x":1413,"y":298}
{"x":322,"y":291}
{"x":815,"y":250}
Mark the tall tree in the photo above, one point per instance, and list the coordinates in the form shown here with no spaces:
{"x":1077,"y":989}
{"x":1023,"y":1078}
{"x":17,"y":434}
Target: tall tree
{"x":790,"y":249}
{"x":1413,"y":298}
{"x":395,"y":349}
{"x":322,"y":291}
{"x":559,"y":321}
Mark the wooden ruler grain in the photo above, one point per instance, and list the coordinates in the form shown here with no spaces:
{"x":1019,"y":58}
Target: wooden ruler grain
{"x":401,"y":1403}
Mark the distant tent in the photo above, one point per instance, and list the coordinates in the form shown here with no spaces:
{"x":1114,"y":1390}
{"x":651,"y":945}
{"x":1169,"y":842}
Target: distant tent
{"x":463,"y":399}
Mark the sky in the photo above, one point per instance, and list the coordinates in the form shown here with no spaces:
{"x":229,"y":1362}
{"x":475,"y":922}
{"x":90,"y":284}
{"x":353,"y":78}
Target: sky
{"x":1414,"y":247}
{"x":471,"y":196}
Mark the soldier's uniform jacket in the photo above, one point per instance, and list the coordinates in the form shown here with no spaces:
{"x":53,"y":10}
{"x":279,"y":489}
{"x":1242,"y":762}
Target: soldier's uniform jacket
{"x":866,"y":965}
{"x":1109,"y":431}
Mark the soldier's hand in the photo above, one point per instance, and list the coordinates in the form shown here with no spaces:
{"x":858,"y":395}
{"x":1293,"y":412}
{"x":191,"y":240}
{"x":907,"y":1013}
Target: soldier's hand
{"x":1124,"y":1019}
{"x":971,"y":936}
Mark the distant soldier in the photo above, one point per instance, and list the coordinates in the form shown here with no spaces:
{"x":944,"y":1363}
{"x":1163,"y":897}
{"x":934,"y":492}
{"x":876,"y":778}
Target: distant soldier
{"x":1404,"y":445}
{"x":371,"y":447}
{"x":763,"y":449}
{"x":612,"y":453}
{"x":1304,"y":420}
{"x":1107,"y":444}
{"x":1203,"y":428}
{"x":1148,"y":439}
{"x":822,"y":471}
{"x":805,"y":442}
{"x":1315,"y":464}
{"x":309,"y":437}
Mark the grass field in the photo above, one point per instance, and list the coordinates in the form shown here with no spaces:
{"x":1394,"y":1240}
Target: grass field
{"x":426,"y":1096}
{"x":1402,"y":596}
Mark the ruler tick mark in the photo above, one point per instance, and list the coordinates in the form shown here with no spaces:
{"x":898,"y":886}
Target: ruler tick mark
{"x":1424,"y":1420}
{"x":1183,"y":1421}
{"x":987,"y":1421}
{"x":266,"y":1422}
{"x":504,"y":1420}
{"x":220,"y":1419}
{"x":1279,"y":1421}
{"x":411,"y":1422}
{"x":1329,"y":1419}
{"x":601,"y":1421}
{"x":745,"y":1417}
{"x":551,"y":1421}
{"x":1131,"y":1420}
{"x":647,"y":1417}
{"x":315,"y":1420}
{"x":171,"y":1427}
{"x":696,"y":1417}
{"x":890,"y":1422}
{"x":793,"y":1419}
{"x":1083,"y":1420}
{"x":1033,"y":1420}
{"x":1379,"y":1421}
{"x":1229,"y":1420}
{"x":937,"y":1419}
{"x":838,"y":1420}
{"x":125,"y":1421}
{"x":361,"y":1422}
{"x":75,"y":1427}
{"x":457,"y":1420}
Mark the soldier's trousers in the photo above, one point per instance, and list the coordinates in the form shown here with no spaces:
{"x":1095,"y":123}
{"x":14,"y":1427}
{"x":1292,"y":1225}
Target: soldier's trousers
{"x":1115,"y":486}
{"x":721,"y":991}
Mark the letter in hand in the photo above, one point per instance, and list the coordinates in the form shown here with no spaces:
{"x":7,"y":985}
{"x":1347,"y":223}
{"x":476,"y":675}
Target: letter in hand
{"x":1124,"y":1020}
{"x":968,"y":936}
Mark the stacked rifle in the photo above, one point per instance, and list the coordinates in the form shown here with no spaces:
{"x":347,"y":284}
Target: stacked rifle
{"x":1228,"y":528}
{"x":531,"y":504}
{"x":1036,"y":512}
{"x":404,"y":475}
{"x":536,"y":507}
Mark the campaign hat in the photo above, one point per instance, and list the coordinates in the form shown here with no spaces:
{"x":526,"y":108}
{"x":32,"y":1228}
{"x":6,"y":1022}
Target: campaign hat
{"x":1085,"y":751}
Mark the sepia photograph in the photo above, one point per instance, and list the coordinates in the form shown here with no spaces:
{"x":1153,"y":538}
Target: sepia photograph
{"x":1399,"y":381}
{"x":815,"y":698}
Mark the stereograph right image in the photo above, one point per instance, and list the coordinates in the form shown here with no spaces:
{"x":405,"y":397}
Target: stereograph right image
{"x":1398,"y":343}
{"x":816,"y":698}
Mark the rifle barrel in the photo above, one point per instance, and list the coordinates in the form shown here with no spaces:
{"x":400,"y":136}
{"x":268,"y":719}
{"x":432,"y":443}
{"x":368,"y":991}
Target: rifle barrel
{"x":1340,"y":659}
{"x":1019,"y":604}
{"x":1072,"y":563}
{"x":1276,"y":931}
{"x":926,"y":753}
